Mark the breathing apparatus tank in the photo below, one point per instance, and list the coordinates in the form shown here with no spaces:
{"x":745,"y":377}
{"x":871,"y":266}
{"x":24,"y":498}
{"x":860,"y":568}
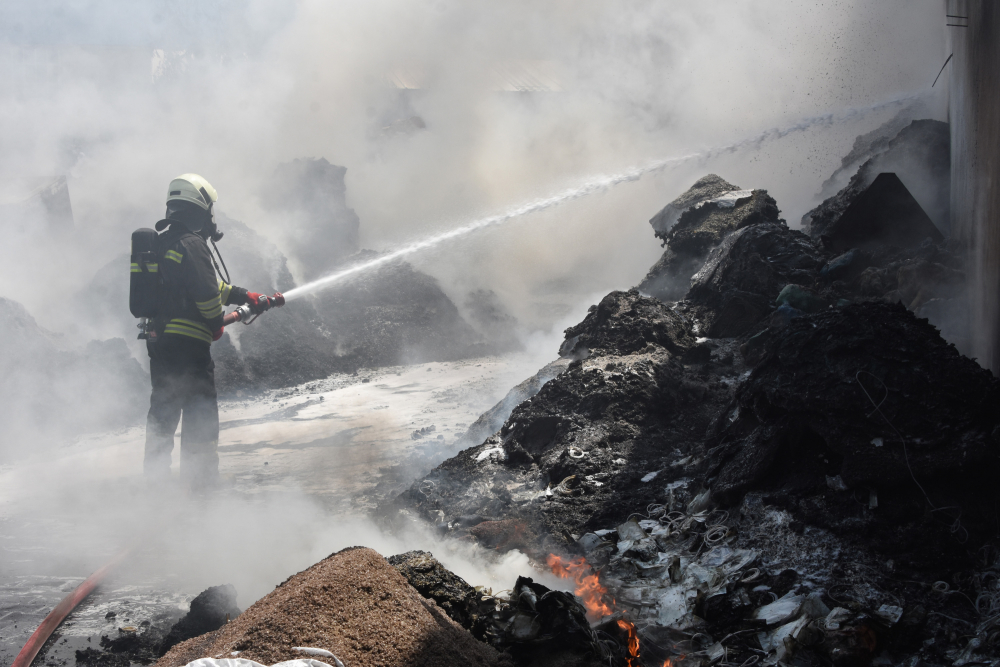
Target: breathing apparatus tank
{"x":144,"y":278}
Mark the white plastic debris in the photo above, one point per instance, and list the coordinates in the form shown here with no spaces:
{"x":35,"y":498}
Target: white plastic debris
{"x":590,"y":541}
{"x":715,"y":653}
{"x":728,"y":199}
{"x":781,"y":640}
{"x":700,"y":502}
{"x":631,"y":530}
{"x":890,"y":613}
{"x":836,"y":616}
{"x":780,"y":611}
{"x":672,"y":609}
{"x":649,"y":476}
{"x":878,"y":442}
{"x":487,"y":453}
{"x":814,"y":607}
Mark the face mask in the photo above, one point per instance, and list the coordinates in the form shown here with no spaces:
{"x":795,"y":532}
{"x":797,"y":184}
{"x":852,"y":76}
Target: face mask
{"x":211,"y":229}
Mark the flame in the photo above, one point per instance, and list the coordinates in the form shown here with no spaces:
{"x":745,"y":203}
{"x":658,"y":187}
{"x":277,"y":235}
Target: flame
{"x":588,"y":586}
{"x":589,"y":589}
{"x":633,"y":642}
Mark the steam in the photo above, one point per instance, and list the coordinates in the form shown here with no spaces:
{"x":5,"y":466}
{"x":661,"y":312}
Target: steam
{"x":595,"y":185}
{"x":235,"y":94}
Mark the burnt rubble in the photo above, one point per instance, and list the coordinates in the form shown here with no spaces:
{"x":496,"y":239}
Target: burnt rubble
{"x":695,"y":223}
{"x":432,"y":580}
{"x":919,"y":155}
{"x":789,"y":464}
{"x":885,"y":213}
{"x":209,"y":611}
{"x":393,"y":315}
{"x":98,"y":384}
{"x":532,"y":623}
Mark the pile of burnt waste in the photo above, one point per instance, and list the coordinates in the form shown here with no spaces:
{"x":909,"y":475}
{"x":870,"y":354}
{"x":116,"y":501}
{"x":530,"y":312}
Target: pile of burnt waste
{"x":97,"y":385}
{"x":788,"y":464}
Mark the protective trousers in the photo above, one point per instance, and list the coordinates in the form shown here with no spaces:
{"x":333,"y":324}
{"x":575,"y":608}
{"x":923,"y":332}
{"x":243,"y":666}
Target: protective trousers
{"x":183,"y":378}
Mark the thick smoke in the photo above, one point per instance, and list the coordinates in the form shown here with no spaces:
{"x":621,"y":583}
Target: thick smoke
{"x":442,"y":112}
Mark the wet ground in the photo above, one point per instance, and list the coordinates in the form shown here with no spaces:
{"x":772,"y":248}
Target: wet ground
{"x":299,"y":468}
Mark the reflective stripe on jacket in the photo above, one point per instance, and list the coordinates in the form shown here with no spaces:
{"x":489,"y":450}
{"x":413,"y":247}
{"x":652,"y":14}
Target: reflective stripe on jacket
{"x":192,"y":296}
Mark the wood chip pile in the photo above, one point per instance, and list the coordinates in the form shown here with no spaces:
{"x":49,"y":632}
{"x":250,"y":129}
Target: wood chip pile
{"x":353,"y":604}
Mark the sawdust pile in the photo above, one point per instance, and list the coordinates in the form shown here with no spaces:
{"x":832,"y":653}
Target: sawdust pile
{"x":353,"y":604}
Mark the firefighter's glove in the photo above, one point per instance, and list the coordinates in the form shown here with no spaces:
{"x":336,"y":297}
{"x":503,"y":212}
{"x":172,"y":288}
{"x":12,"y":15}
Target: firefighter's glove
{"x":258,"y":302}
{"x":217,"y":334}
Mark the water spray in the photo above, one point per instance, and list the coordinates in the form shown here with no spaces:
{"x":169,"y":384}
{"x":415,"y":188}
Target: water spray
{"x":595,"y":185}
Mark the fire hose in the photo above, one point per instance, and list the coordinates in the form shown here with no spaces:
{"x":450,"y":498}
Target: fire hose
{"x":62,"y":610}
{"x":244,"y":312}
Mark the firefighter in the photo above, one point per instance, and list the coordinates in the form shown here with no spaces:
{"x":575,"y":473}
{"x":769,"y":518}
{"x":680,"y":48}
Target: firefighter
{"x":189,"y":319}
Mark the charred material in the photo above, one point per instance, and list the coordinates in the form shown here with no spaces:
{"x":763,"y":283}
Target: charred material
{"x":639,"y":398}
{"x":541,"y":627}
{"x":786,"y":466}
{"x":392,"y":315}
{"x":448,"y":590}
{"x":740,"y":281}
{"x":210,"y":610}
{"x":884,"y":214}
{"x":920,"y":155}
{"x":871,"y":396}
{"x":696,"y":222}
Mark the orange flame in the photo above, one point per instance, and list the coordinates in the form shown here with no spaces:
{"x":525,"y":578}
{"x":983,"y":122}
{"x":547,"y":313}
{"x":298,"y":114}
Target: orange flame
{"x":588,"y":586}
{"x":633,"y":641}
{"x":589,"y":589}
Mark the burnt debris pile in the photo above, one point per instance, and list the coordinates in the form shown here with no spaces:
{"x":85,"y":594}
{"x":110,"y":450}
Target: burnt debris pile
{"x":97,"y":385}
{"x":530,"y":622}
{"x":920,"y":154}
{"x":768,"y":452}
{"x":695,"y":223}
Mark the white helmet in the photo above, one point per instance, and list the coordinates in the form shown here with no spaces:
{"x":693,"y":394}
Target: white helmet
{"x":192,"y":188}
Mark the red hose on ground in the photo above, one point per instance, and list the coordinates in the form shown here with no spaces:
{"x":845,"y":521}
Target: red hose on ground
{"x":62,"y":610}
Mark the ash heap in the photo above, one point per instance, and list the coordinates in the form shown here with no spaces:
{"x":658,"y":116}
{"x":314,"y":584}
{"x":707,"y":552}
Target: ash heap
{"x":771,"y":451}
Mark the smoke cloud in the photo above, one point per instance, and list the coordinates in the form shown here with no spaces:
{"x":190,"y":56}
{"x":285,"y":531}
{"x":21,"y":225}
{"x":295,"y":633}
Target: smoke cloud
{"x":443,"y":112}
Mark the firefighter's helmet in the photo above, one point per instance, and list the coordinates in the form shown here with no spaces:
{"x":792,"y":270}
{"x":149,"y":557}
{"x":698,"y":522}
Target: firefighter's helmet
{"x":192,"y":188}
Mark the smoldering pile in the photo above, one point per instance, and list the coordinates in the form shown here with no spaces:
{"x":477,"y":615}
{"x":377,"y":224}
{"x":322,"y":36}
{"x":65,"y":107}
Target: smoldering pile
{"x":788,"y":464}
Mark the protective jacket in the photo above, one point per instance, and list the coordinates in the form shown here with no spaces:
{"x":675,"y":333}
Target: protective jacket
{"x":192,"y":296}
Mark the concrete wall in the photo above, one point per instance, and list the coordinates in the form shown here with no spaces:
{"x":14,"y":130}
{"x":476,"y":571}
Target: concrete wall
{"x":975,"y":160}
